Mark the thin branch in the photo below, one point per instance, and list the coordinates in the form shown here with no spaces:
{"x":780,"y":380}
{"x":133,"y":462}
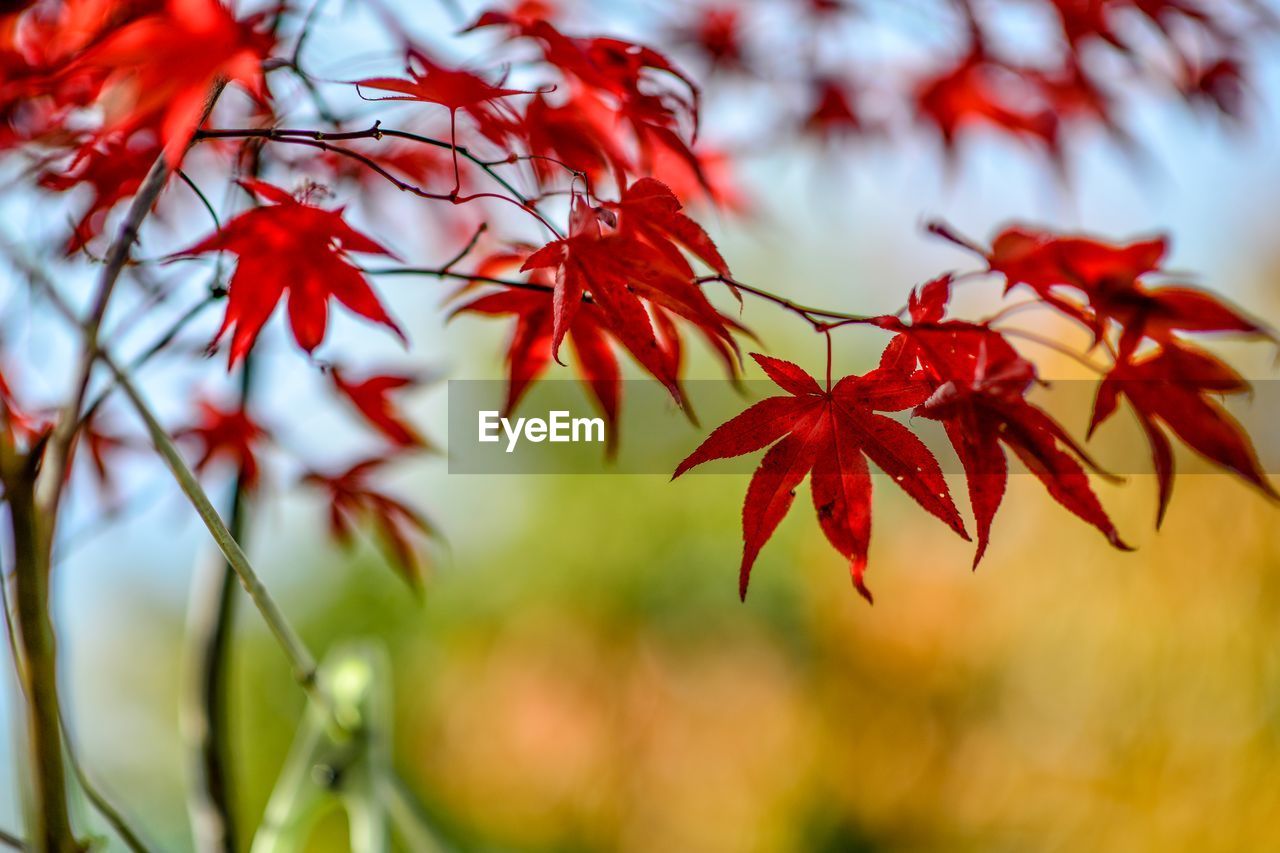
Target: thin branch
{"x":59,"y":456}
{"x":295,"y":651}
{"x":465,"y":250}
{"x":8,"y":839}
{"x":158,"y":346}
{"x":819,"y":318}
{"x":441,"y":272}
{"x":303,"y":32}
{"x":64,"y":436}
{"x":303,"y":665}
{"x":97,"y":799}
{"x":1049,"y":343}
{"x":204,"y":200}
{"x":376,"y":132}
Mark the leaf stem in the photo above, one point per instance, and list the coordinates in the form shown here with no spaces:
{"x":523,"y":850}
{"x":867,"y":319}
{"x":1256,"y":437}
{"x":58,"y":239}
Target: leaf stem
{"x":323,"y":139}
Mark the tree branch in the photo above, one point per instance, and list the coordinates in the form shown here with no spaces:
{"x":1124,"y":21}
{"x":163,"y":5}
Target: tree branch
{"x":299,"y":657}
{"x":324,"y":139}
{"x":50,"y":824}
{"x":64,"y":436}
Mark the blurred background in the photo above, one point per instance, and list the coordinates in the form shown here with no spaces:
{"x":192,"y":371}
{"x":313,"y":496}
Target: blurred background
{"x":579,"y":674}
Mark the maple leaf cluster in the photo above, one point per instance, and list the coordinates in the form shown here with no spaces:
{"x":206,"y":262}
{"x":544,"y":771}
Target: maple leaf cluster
{"x":1093,"y":55}
{"x":597,"y":146}
{"x":574,"y":165}
{"x":93,"y":90}
{"x":972,"y":379}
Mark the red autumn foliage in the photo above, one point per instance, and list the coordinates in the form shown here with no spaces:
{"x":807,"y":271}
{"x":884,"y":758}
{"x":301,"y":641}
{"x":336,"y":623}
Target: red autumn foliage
{"x":529,"y":350}
{"x":628,"y":259}
{"x":291,"y":245}
{"x":1173,"y":390}
{"x":603,"y":132}
{"x":226,"y":435}
{"x":352,"y":499}
{"x":160,"y":69}
{"x":371,"y":397}
{"x":830,"y":432}
{"x":114,"y":168}
{"x":606,"y":130}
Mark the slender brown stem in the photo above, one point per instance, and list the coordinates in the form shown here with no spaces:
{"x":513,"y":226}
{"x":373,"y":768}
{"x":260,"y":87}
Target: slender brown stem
{"x":820,"y":318}
{"x":444,"y":272}
{"x":377,"y":131}
{"x":64,"y":435}
{"x":8,"y":839}
{"x":68,"y":426}
{"x":1049,"y":343}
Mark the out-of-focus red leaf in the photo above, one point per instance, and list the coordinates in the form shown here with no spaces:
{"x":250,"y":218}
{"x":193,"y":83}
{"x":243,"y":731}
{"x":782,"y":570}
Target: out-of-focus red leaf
{"x":162,"y":68}
{"x":1170,"y":391}
{"x":226,"y":435}
{"x":353,"y":499}
{"x":114,"y":167}
{"x":371,"y":397}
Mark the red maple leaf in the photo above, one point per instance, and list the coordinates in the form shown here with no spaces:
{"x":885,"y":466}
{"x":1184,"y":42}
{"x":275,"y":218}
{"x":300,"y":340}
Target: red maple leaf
{"x":163,"y":67}
{"x":1169,"y":390}
{"x":830,"y":432}
{"x":454,"y":89}
{"x":578,"y":134}
{"x":114,"y":167}
{"x":833,"y":110}
{"x":229,"y":435}
{"x":352,"y":499}
{"x":529,"y":350}
{"x":713,"y":179}
{"x":629,"y":76}
{"x":1101,"y":285}
{"x":633,"y":261}
{"x":295,"y":246}
{"x":650,"y":211}
{"x":977,"y":90}
{"x":371,"y":397}
{"x":978,"y":385}
{"x":39,"y":82}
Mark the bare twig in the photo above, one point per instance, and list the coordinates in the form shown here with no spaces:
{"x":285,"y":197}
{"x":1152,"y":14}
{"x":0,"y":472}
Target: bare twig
{"x":323,"y":140}
{"x":299,"y":657}
{"x":8,"y":839}
{"x":112,"y":815}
